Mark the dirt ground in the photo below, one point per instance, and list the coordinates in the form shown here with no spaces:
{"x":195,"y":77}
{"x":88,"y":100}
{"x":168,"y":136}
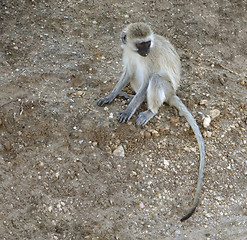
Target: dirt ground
{"x":59,"y":176}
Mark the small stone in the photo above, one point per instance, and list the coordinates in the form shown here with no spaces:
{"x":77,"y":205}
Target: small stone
{"x":207,"y":134}
{"x":50,"y":208}
{"x":154,"y":133}
{"x":190,"y":149}
{"x":147,"y":135}
{"x":203,"y":102}
{"x":119,"y":151}
{"x":206,"y":121}
{"x":166,"y":162}
{"x":219,"y":198}
{"x":166,"y":127}
{"x":57,"y":174}
{"x":80,"y":93}
{"x":214,"y":113}
{"x":142,"y":205}
{"x":41,"y":164}
{"x":174,"y":119}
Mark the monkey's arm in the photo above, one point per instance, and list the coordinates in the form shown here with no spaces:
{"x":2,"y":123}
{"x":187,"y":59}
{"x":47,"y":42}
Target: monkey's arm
{"x":134,"y":104}
{"x":124,"y":80}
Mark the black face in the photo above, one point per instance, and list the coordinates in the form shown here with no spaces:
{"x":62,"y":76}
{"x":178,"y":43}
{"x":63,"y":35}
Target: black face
{"x":143,"y":48}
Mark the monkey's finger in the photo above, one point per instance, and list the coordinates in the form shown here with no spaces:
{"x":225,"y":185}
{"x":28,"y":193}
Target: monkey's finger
{"x":124,"y":117}
{"x":141,"y":121}
{"x":102,"y":101}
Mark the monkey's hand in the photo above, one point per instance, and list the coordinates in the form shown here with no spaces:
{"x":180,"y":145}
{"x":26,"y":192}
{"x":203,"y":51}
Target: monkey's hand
{"x":125,"y":115}
{"x":105,"y":100}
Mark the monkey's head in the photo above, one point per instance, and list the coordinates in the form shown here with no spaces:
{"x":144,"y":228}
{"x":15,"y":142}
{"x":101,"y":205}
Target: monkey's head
{"x":138,"y":37}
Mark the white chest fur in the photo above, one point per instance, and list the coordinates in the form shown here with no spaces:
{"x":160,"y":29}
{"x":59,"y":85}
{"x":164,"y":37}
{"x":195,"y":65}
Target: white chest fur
{"x":137,"y":66}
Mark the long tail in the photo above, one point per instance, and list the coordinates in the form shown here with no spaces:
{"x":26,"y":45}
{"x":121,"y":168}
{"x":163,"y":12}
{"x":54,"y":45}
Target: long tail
{"x":176,"y":102}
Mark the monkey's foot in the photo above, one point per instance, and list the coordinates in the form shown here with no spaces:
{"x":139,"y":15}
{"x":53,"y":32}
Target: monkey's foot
{"x":126,"y":95}
{"x":144,"y":117}
{"x":104,"y":100}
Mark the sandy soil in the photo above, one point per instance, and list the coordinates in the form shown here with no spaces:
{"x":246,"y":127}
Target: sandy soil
{"x":59,"y":176}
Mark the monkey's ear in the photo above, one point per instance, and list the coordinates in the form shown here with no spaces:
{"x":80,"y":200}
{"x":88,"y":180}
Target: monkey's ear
{"x":123,"y":37}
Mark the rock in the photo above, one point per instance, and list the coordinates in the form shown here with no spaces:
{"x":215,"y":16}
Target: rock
{"x":154,"y":133}
{"x":119,"y":151}
{"x":207,"y":134}
{"x":203,"y":102}
{"x":80,"y":93}
{"x":174,"y":119}
{"x":142,"y":205}
{"x":206,"y":121}
{"x":166,"y":163}
{"x":214,"y":113}
{"x":147,"y":135}
{"x":111,"y":115}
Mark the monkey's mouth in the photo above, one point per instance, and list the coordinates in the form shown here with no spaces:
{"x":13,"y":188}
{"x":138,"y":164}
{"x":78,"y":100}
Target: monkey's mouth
{"x":143,"y":54}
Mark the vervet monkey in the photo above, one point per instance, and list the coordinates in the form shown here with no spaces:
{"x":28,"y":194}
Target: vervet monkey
{"x":152,"y":66}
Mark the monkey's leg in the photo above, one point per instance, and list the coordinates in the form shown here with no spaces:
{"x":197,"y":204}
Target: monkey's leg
{"x":134,"y":104}
{"x":158,"y":91}
{"x":122,"y":83}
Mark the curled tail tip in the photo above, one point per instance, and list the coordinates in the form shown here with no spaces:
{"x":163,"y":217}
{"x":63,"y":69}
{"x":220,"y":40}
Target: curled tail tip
{"x":188,"y":215}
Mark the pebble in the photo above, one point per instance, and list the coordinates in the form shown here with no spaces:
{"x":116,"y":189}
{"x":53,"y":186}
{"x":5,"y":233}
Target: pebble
{"x":207,"y":134}
{"x":142,"y":205}
{"x":214,"y":113}
{"x":147,"y":135}
{"x":119,"y":151}
{"x":111,"y":115}
{"x":174,"y":119}
{"x":41,"y":164}
{"x":154,"y":133}
{"x":206,"y":121}
{"x":80,"y":93}
{"x":219,"y":198}
{"x":95,"y":144}
{"x":190,"y":149}
{"x":166,"y":162}
{"x":203,"y":102}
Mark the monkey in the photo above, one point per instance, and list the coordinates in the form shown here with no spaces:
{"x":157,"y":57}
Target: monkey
{"x":152,"y":67}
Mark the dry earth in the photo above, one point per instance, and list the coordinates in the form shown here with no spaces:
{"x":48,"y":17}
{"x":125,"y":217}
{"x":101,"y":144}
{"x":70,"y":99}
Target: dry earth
{"x":59,"y":176}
